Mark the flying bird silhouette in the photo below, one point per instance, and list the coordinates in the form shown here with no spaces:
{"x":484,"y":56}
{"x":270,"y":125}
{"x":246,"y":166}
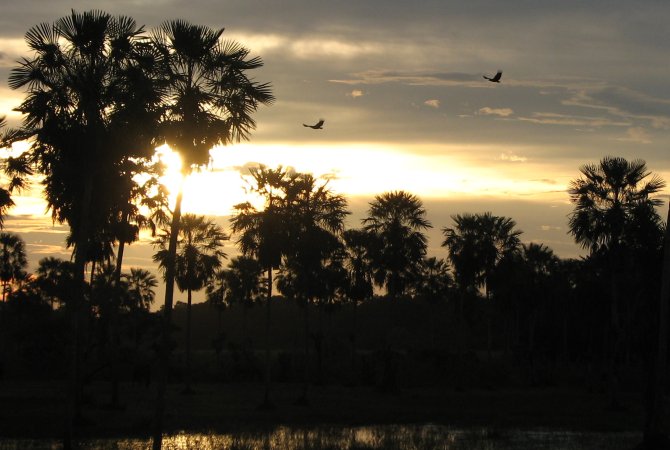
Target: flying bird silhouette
{"x":316,"y":126}
{"x":495,"y":78}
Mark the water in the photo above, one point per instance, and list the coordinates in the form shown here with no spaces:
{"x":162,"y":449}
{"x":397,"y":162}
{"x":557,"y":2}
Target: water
{"x":386,"y":437}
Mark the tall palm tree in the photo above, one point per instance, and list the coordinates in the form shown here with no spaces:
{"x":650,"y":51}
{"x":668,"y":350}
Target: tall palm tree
{"x":396,"y":221}
{"x":357,"y":262}
{"x":655,"y":432}
{"x":13,"y":261}
{"x":261,"y":234}
{"x":539,"y":269}
{"x":209,"y":101}
{"x":315,"y":222}
{"x":199,"y":254}
{"x":615,"y":212}
{"x":70,"y":82}
{"x":610,"y":198}
{"x":477,"y":244}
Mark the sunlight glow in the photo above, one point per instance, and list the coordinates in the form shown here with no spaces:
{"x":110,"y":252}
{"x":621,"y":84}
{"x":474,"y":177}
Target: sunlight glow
{"x":364,"y":170}
{"x":354,"y":170}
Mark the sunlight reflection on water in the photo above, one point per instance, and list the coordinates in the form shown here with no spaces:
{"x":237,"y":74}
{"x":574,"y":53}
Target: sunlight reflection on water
{"x":387,"y":437}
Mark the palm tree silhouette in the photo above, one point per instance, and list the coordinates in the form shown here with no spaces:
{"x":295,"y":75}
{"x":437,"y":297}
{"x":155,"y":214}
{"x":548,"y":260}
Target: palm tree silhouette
{"x":55,"y":277}
{"x":13,"y":261}
{"x":141,"y":284}
{"x":199,"y":254}
{"x":614,"y":211}
{"x":315,"y":222}
{"x":432,"y":286}
{"x":70,"y":80}
{"x":209,"y":101}
{"x":261,"y":234}
{"x":245,"y":285}
{"x":477,"y":243}
{"x":396,"y":221}
{"x":358,"y":264}
{"x":6,"y":201}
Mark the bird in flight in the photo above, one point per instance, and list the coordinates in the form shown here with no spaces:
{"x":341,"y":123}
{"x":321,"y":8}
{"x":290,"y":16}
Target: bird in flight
{"x":495,"y":78}
{"x":316,"y":126}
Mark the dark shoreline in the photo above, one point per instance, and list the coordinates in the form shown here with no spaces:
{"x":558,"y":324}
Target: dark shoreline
{"x":35,"y":409}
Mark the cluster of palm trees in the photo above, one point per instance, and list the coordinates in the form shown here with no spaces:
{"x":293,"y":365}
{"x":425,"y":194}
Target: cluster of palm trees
{"x":101,"y":93}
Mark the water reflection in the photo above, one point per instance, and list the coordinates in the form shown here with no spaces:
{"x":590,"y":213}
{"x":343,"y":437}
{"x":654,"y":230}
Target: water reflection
{"x":387,"y":437}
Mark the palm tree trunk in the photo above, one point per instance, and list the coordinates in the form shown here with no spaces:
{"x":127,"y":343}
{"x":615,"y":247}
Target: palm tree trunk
{"x":654,"y":435}
{"x":113,"y":324}
{"x":354,"y":326}
{"x":187,"y":375}
{"x":266,"y":396}
{"x":245,"y":307}
{"x":615,"y":339}
{"x":164,"y":348}
{"x":77,"y":302}
{"x":305,"y":372}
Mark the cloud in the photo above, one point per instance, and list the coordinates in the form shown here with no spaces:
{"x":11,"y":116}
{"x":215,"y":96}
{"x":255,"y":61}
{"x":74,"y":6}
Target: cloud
{"x":637,"y":134}
{"x":502,"y":112}
{"x":414,"y":78}
{"x":573,"y":120}
{"x":511,"y":157}
{"x":433,"y":103}
{"x":313,"y":47}
{"x":625,"y":103}
{"x":12,"y":49}
{"x":356,"y":93}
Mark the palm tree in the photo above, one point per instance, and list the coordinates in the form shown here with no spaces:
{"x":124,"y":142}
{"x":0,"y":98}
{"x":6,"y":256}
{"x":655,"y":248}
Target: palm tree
{"x":315,"y":221}
{"x":141,"y":284}
{"x":209,"y":101}
{"x":615,"y":212}
{"x":655,"y":433}
{"x":13,"y":261}
{"x":432,"y":286}
{"x":434,"y":281}
{"x":357,"y":263}
{"x":477,"y":243}
{"x":360,"y":285}
{"x":199,"y":246}
{"x":6,"y":201}
{"x":70,"y":81}
{"x":461,"y":242}
{"x":540,"y":266}
{"x":396,"y":221}
{"x":262,"y":235}
{"x":244,"y":283}
{"x":55,"y":277}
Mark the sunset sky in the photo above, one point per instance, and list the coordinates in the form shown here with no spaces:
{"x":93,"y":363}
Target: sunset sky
{"x":400,"y":87}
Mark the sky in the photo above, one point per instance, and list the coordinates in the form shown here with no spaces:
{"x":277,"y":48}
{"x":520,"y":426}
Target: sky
{"x":400,"y":86}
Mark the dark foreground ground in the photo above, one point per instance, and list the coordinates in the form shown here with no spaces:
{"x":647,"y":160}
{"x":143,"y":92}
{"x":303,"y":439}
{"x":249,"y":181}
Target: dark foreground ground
{"x":37,"y":409}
